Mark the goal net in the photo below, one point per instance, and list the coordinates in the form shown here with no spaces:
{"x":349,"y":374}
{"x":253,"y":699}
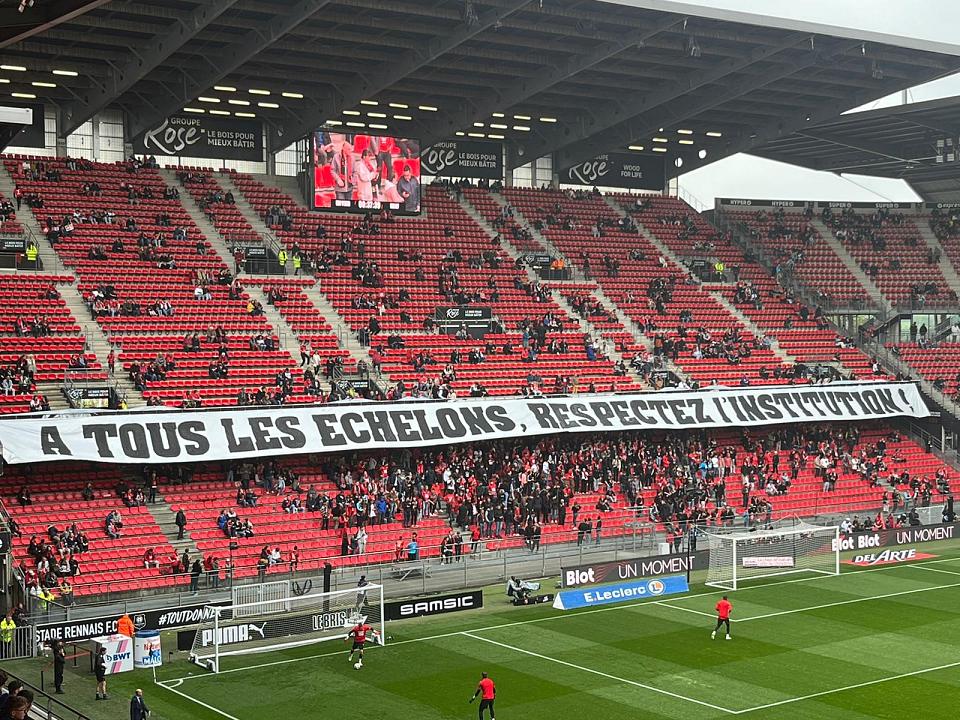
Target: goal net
{"x":802,"y":547}
{"x":275,"y":623}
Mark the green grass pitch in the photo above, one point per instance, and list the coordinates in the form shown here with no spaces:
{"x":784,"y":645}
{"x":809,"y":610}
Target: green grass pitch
{"x":882,"y":642}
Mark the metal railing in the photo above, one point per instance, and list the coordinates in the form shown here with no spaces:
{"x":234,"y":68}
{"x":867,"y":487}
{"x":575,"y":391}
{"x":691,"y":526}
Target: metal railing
{"x":47,"y":707}
{"x":488,"y":562}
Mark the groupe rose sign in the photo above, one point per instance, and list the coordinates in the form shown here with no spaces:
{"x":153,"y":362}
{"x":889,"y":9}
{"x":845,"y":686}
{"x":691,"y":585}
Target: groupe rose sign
{"x":204,"y":137}
{"x":464,"y":159}
{"x":635,"y":171}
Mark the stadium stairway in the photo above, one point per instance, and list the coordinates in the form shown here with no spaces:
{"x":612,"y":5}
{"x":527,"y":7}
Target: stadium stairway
{"x":638,"y":335}
{"x":48,"y":257}
{"x":199,"y":218}
{"x":755,"y":329}
{"x":348,"y":338}
{"x":879,"y":299}
{"x":584,"y":324}
{"x":946,"y":267}
{"x":286,"y":334}
{"x":246,"y":209}
{"x":539,"y":237}
{"x":165,"y":517}
{"x":98,"y":343}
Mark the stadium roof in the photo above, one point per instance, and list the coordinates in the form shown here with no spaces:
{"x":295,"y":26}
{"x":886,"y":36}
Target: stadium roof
{"x":572,"y":77}
{"x":898,"y":142}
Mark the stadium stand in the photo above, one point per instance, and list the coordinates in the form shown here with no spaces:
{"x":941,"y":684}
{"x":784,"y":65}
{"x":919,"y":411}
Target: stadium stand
{"x":621,"y":480}
{"x":66,"y":508}
{"x":790,"y":238}
{"x":388,"y":276}
{"x":186,"y":335}
{"x":889,"y":247}
{"x":39,"y":342}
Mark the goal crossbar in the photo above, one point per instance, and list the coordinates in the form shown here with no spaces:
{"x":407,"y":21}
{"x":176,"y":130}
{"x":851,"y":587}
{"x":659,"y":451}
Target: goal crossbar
{"x":802,"y":548}
{"x":285,"y":622}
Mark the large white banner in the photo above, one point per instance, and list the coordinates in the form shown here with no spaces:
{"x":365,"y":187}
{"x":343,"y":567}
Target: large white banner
{"x":237,"y":433}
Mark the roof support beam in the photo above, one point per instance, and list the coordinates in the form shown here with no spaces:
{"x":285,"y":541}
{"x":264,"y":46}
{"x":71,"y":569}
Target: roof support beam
{"x":595,"y":128}
{"x":16,"y":26}
{"x":381,"y":77}
{"x":642,"y":126}
{"x":887,"y":152}
{"x":784,"y":127}
{"x":138,"y":66}
{"x":501,"y":99}
{"x":225,"y":61}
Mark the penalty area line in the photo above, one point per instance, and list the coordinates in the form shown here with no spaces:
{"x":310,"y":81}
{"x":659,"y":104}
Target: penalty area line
{"x":602,"y":674}
{"x":179,"y":681}
{"x":868,"y":683}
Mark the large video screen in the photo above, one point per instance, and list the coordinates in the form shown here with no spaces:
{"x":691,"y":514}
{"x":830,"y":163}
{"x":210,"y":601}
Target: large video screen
{"x":354,"y":172}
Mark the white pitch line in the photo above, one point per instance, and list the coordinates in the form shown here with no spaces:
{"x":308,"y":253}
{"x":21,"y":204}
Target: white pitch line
{"x":847,"y":602}
{"x":217,"y":710}
{"x":848,"y":687}
{"x":592,"y":671}
{"x":939,"y":570}
{"x":664,"y":603}
{"x":550,"y":618}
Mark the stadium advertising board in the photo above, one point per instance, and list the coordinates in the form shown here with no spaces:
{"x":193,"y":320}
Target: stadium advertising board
{"x":219,"y":434}
{"x":638,"y":589}
{"x":464,"y":159}
{"x":433,"y":605}
{"x":355,"y":172}
{"x":598,"y":573}
{"x":763,"y":561}
{"x":888,"y":557}
{"x":463,"y":312}
{"x":761,"y":204}
{"x":203,"y":137}
{"x":161,"y":619}
{"x":624,"y":170}
{"x":290,"y":624}
{"x":898,"y":536}
{"x":13,"y":244}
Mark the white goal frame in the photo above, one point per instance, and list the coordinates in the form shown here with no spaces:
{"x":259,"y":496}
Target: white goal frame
{"x":316,"y":612}
{"x":811,"y":548}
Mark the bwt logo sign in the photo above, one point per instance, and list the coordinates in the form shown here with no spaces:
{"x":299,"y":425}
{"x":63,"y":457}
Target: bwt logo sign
{"x":116,"y":657}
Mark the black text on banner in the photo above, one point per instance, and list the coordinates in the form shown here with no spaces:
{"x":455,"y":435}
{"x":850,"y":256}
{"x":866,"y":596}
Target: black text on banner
{"x":163,"y":437}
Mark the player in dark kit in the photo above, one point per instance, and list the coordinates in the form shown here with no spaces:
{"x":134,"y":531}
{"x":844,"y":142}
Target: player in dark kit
{"x":724,"y":608}
{"x":487,"y":692}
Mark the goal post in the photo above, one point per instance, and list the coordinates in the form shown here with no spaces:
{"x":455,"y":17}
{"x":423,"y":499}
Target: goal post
{"x":801,"y":548}
{"x":278,"y":623}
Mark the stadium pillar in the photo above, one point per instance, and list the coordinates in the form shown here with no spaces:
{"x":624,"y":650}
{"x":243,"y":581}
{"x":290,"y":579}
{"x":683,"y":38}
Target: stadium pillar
{"x":271,"y":163}
{"x":327,"y":571}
